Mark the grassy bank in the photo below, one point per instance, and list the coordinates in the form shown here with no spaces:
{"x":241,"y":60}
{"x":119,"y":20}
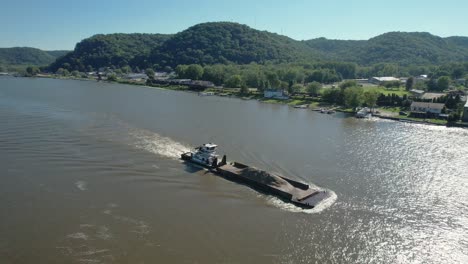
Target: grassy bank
{"x":311,"y":102}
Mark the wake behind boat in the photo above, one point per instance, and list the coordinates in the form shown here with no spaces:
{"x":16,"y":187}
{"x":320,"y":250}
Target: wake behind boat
{"x":297,"y":193}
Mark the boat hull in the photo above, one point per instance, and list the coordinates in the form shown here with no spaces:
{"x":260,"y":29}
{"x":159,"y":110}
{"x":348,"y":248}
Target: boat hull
{"x":187,"y":157}
{"x":288,"y":190}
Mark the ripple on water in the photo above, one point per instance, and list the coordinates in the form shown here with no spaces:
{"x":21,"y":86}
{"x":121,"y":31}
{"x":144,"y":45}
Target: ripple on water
{"x":81,"y":185}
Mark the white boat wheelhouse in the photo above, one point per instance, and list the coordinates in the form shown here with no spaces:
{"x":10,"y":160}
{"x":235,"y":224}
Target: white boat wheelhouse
{"x":205,"y":154}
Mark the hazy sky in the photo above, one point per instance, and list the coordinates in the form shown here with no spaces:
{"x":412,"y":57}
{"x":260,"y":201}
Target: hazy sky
{"x":61,"y":24}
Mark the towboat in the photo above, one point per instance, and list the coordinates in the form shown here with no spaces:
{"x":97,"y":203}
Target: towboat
{"x":204,"y":155}
{"x":288,"y":190}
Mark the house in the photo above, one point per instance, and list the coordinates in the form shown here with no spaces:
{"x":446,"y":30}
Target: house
{"x":425,"y":109}
{"x":161,"y":75}
{"x":278,"y":94}
{"x":465,"y":113}
{"x":381,"y":80}
{"x":417,"y":93}
{"x":420,"y":79}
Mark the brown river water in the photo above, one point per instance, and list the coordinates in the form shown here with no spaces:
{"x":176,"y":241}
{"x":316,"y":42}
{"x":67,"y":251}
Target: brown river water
{"x":90,"y":174}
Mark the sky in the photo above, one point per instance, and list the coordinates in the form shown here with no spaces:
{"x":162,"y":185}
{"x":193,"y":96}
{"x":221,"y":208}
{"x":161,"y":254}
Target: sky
{"x":58,"y":25}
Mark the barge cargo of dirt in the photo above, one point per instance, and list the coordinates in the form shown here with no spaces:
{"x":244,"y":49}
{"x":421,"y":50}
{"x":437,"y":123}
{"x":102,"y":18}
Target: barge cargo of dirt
{"x":295,"y":192}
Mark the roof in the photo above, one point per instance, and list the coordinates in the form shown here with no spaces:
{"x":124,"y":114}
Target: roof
{"x":210,"y":145}
{"x":417,"y":91}
{"x":428,"y":105}
{"x":386,"y":79}
{"x":432,"y":95}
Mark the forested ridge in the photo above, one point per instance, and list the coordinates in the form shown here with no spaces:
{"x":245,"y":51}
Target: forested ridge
{"x":231,"y":43}
{"x":226,"y":42}
{"x":111,"y":50}
{"x":28,"y":56}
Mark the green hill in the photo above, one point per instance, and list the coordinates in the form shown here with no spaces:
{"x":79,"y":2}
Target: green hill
{"x":411,"y":48}
{"x":110,"y":50}
{"x":333,"y":49}
{"x":28,"y":56}
{"x":418,"y":48}
{"x":224,"y":42}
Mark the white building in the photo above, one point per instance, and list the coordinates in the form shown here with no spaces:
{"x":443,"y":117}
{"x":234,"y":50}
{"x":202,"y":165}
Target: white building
{"x":278,"y":94}
{"x":417,"y":93}
{"x":380,"y":80}
{"x":161,"y":75}
{"x":425,"y":107}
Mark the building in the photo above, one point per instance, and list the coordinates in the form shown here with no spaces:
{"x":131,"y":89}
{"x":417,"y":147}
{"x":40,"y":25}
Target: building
{"x":161,"y":75}
{"x":420,"y":78}
{"x":465,"y":113}
{"x":278,"y":94}
{"x":432,"y":96}
{"x":417,"y":93}
{"x":425,"y":109}
{"x":381,"y":80}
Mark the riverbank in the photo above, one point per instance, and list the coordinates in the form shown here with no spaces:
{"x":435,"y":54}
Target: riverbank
{"x":306,"y":102}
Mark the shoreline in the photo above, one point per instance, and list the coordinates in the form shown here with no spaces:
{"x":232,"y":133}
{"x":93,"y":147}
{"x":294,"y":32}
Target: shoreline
{"x":290,"y":102}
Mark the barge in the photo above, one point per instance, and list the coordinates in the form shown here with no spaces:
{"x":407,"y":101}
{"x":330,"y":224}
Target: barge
{"x":288,"y":190}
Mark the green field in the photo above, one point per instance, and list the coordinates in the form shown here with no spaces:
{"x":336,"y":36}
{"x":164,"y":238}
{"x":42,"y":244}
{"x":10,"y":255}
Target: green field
{"x":398,"y":91}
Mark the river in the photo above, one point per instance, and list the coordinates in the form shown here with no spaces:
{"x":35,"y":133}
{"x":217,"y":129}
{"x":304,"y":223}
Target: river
{"x":90,"y":174}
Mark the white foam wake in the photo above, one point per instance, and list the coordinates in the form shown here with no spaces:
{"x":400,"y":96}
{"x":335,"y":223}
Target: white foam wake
{"x":326,"y":203}
{"x":158,"y":144}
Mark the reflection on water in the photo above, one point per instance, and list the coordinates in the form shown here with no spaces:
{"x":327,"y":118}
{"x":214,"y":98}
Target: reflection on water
{"x":90,"y":174}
